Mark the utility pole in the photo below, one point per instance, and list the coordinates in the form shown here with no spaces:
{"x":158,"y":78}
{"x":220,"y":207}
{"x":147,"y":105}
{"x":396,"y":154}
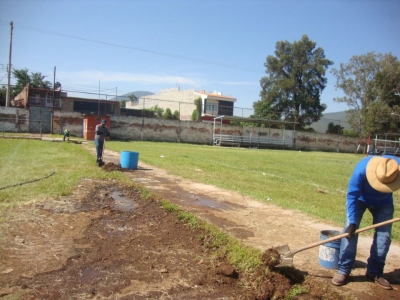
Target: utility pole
{"x":54,"y":95}
{"x":98,"y":107}
{"x":9,"y":68}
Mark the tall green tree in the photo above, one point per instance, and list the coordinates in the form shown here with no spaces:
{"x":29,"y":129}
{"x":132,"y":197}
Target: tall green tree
{"x":295,"y":81}
{"x":369,"y":83}
{"x":168,"y":114}
{"x":334,"y":129}
{"x":3,"y":93}
{"x":133,"y":98}
{"x":196,"y":114}
{"x":35,"y":79}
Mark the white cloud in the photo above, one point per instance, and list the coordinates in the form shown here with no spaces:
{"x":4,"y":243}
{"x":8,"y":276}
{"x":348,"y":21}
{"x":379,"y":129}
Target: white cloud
{"x":243,"y":83}
{"x":91,"y":77}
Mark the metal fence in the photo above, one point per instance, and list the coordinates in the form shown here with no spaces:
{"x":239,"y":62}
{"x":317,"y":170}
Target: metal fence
{"x":19,"y":127}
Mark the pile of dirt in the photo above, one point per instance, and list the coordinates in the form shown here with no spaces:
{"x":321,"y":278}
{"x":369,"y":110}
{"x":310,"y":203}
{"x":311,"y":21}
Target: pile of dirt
{"x":105,"y":241}
{"x":110,"y":167}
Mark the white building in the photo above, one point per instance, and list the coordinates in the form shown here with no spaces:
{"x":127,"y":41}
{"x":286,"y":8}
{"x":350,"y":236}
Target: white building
{"x":213,"y":103}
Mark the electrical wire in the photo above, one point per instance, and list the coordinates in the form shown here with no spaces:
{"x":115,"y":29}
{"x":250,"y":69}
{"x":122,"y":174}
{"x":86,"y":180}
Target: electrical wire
{"x":26,"y":182}
{"x":26,"y":27}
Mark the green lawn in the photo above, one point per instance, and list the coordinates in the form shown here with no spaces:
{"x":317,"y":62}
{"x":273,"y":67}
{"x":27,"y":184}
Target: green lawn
{"x":54,"y":167}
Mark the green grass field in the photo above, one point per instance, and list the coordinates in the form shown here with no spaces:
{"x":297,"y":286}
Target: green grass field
{"x":23,"y":160}
{"x":311,"y":182}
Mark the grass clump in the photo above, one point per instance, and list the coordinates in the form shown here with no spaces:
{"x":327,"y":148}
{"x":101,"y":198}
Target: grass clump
{"x":296,"y":290}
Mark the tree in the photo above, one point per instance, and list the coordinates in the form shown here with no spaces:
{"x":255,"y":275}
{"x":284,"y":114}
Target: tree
{"x":176,"y":115}
{"x":295,"y":81}
{"x":122,"y":103}
{"x":369,"y":83}
{"x":334,"y":129}
{"x":34,"y":79}
{"x":133,"y":98}
{"x":195,"y":115}
{"x":158,"y":111}
{"x":3,"y":93}
{"x":168,"y":114}
{"x":197,"y":112}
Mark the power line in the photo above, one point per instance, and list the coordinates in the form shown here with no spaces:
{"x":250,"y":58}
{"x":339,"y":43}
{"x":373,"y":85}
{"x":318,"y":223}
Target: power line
{"x":26,"y":27}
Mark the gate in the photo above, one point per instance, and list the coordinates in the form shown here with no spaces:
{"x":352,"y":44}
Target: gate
{"x":39,"y":119}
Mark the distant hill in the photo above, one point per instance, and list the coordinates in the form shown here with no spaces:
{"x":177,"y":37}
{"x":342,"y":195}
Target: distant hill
{"x":337,"y":118}
{"x":138,"y":94}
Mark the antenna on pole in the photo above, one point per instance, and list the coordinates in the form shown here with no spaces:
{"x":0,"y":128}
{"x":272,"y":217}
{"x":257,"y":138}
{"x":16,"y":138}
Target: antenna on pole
{"x":9,"y":68}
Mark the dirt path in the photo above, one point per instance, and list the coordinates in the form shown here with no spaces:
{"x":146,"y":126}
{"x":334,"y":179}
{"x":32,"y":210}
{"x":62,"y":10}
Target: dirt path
{"x":265,"y":225}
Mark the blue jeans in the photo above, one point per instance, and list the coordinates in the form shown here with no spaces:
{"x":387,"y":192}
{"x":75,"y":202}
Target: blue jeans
{"x":99,"y":149}
{"x":380,"y":245}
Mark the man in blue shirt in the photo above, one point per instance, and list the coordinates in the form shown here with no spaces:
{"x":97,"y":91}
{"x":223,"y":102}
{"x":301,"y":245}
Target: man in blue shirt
{"x":101,"y":133}
{"x":371,"y":187}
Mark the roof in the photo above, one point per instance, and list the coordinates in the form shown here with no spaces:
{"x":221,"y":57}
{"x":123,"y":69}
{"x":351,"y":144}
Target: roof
{"x":254,"y":120}
{"x":214,"y":94}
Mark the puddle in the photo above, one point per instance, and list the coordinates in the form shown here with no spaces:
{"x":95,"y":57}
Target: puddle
{"x":89,"y":274}
{"x":121,"y":203}
{"x":203,"y":201}
{"x":116,"y":227}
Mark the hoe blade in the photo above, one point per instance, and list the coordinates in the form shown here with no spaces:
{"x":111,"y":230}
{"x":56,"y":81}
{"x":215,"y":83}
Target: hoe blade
{"x":285,"y":254}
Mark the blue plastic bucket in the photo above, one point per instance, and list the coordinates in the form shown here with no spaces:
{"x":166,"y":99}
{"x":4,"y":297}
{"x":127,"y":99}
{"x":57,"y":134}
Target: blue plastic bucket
{"x":329,"y":252}
{"x":129,"y":160}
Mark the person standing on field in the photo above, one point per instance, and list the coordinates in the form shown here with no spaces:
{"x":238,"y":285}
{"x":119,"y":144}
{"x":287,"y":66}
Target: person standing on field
{"x":101,"y":133}
{"x":371,"y":187}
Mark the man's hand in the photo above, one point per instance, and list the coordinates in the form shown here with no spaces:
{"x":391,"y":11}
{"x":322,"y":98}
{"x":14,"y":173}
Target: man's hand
{"x":351,"y":229}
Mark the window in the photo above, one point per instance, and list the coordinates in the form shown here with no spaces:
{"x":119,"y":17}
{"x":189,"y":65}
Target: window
{"x":211,"y":108}
{"x":225,"y":108}
{"x":49,"y":99}
{"x":35,"y":94}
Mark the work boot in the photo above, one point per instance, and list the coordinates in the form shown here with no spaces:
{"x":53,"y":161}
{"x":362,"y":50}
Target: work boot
{"x":339,"y":279}
{"x":382,"y":282}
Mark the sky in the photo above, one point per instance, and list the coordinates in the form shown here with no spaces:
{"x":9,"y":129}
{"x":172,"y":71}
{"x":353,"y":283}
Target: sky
{"x":116,"y":47}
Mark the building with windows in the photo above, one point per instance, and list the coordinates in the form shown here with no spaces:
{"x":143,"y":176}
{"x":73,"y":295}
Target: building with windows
{"x":213,"y":103}
{"x":32,"y":97}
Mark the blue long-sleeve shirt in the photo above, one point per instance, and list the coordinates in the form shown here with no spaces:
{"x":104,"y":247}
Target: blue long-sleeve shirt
{"x":101,"y":132}
{"x":360,"y":189}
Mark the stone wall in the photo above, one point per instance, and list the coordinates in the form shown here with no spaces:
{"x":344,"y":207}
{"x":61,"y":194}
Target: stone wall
{"x":325,"y":142}
{"x":13,"y":119}
{"x":152,"y":129}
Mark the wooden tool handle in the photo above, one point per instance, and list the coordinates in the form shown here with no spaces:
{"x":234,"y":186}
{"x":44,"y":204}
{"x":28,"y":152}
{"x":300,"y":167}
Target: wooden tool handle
{"x":343,"y":235}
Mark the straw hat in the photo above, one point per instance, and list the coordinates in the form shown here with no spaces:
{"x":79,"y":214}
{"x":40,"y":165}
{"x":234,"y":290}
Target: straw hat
{"x":383,"y":174}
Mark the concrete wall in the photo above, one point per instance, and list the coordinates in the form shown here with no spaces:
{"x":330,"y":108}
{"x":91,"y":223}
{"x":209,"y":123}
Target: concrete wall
{"x":71,"y":120}
{"x":325,"y":142}
{"x":150,"y":129}
{"x":13,"y":119}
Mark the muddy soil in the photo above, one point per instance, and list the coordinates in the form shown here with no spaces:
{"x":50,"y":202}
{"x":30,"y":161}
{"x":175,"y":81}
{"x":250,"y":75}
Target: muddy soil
{"x":105,"y":242}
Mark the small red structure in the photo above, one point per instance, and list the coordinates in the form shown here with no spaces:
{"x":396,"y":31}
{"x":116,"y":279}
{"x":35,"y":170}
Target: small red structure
{"x":89,"y":125}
